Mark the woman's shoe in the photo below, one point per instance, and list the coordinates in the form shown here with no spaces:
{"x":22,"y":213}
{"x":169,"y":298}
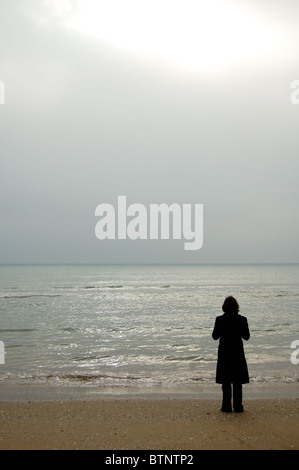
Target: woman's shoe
{"x":239,"y":409}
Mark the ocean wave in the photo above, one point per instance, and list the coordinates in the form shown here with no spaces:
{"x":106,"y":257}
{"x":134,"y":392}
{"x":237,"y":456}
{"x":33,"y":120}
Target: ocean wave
{"x":16,"y":330}
{"x":93,"y":377}
{"x":26,"y":296}
{"x":117,"y":286}
{"x":184,"y":358}
{"x":78,"y":288}
{"x":273,"y":294}
{"x":111,"y":381}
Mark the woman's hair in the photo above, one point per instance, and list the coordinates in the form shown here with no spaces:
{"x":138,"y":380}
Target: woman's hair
{"x":230,"y":305}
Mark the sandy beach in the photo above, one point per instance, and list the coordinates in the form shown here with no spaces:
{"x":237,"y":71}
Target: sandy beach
{"x":146,"y":423}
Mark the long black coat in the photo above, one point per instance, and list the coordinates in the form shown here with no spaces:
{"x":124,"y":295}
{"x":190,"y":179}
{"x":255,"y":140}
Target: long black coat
{"x":231,"y":364}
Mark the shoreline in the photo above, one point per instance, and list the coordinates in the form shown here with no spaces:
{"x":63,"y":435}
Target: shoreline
{"x":149,"y":423}
{"x":50,"y":392}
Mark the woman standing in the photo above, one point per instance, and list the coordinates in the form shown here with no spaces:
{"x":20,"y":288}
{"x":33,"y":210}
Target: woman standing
{"x":231,"y":370}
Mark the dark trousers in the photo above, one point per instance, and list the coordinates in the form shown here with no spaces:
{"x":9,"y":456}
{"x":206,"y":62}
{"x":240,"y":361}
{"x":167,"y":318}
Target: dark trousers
{"x":227,"y":396}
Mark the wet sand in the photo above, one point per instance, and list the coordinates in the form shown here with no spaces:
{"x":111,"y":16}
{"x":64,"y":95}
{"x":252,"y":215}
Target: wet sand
{"x":146,"y":423}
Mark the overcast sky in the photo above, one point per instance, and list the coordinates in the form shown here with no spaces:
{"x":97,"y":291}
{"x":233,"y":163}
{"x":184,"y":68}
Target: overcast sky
{"x":161,"y":101}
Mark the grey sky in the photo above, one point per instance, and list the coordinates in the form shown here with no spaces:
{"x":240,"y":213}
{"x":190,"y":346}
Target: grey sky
{"x":88,"y":117}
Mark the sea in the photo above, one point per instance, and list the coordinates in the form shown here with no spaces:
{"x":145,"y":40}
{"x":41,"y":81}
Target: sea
{"x":108,"y":330}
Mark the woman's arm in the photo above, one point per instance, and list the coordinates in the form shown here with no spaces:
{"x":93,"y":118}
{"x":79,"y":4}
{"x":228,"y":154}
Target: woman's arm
{"x":245,"y":330}
{"x":216,"y":332}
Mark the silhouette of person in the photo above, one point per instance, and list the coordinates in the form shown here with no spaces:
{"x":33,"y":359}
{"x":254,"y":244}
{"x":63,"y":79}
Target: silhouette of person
{"x":231,"y":369}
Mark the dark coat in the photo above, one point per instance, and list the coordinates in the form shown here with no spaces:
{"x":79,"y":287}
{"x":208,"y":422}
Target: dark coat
{"x":231,"y":364}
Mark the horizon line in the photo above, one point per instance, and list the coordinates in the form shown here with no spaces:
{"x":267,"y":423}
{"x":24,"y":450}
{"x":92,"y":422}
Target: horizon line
{"x":154,"y":264}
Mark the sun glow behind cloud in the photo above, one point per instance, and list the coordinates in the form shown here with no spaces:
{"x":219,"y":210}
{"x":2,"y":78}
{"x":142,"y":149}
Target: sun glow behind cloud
{"x":193,"y":33}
